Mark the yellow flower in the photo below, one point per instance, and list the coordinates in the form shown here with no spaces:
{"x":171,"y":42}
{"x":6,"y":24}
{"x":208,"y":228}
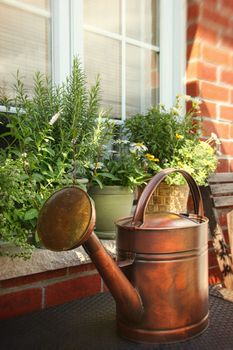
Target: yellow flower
{"x":178,"y":136}
{"x":151,"y":157}
{"x":139,"y":144}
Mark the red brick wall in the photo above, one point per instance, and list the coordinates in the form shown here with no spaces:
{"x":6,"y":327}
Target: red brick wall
{"x":36,"y":292}
{"x":209,"y":75}
{"x":210,"y":68}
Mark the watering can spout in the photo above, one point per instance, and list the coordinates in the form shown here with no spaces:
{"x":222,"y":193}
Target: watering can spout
{"x":66,"y":221}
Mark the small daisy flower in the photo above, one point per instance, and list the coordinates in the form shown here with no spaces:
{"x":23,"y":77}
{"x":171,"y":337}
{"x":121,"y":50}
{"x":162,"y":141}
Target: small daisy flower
{"x":99,"y":165}
{"x":175,"y":111}
{"x":179,"y":137}
{"x":138,"y":147}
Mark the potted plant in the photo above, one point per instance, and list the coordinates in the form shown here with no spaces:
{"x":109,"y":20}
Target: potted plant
{"x":114,"y":175}
{"x":173,"y":140}
{"x":49,"y":139}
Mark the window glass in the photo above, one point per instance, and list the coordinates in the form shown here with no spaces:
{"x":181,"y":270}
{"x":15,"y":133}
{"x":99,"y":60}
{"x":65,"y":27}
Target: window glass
{"x":141,"y":79}
{"x":102,"y":56}
{"x":24,"y":40}
{"x":142,"y":20}
{"x":120,"y":44}
{"x":104,"y":14}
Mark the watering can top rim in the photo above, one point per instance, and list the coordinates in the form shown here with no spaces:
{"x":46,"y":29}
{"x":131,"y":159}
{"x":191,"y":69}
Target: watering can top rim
{"x":162,"y":221}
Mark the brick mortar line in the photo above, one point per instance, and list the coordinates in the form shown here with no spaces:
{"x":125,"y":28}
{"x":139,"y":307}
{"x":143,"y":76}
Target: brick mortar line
{"x":45,"y":283}
{"x":220,"y":103}
{"x":217,"y":121}
{"x":217,"y":84}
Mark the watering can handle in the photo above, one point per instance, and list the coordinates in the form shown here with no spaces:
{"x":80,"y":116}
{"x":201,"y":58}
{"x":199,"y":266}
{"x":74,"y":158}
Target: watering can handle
{"x":154,"y":182}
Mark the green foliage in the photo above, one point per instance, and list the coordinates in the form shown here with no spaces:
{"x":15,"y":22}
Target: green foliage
{"x":20,"y":201}
{"x":54,"y":133}
{"x":197,"y":158}
{"x":120,"y":164}
{"x":163,"y":131}
{"x":172,"y":140}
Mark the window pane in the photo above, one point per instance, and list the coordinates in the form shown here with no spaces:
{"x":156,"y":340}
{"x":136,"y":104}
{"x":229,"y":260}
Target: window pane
{"x":104,"y":14}
{"x":142,"y":83}
{"x":142,"y":20}
{"x":102,"y":56}
{"x":43,"y":4}
{"x":24,"y":40}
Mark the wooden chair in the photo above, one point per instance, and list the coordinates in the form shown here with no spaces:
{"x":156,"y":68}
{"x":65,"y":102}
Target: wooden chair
{"x":218,"y":200}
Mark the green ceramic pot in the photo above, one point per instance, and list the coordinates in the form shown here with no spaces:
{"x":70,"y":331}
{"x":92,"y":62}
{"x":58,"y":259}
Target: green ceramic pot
{"x":111,"y":203}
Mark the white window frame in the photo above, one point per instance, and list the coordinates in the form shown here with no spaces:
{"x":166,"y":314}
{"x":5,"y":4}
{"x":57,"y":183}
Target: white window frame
{"x":172,"y":49}
{"x":173,"y":17}
{"x":67,"y":41}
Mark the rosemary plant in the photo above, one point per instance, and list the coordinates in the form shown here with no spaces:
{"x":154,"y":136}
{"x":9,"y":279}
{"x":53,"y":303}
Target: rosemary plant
{"x":51,"y":138}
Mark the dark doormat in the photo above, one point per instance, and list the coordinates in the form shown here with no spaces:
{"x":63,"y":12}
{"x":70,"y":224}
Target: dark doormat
{"x":89,"y":323}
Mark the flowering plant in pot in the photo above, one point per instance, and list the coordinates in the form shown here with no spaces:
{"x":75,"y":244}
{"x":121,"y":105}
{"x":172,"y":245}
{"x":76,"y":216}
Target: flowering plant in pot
{"x":117,"y":171}
{"x":173,"y":140}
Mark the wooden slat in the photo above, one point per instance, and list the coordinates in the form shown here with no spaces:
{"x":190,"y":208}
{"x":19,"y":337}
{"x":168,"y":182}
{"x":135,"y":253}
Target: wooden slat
{"x":223,"y":201}
{"x":225,"y":188}
{"x":230,"y":229}
{"x":224,"y":260}
{"x":221,"y":177}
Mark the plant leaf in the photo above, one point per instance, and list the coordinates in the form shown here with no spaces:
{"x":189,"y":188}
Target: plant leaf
{"x":31,"y":214}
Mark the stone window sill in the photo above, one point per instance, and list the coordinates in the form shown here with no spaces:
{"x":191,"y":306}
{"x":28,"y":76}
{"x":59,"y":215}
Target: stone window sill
{"x":45,"y":260}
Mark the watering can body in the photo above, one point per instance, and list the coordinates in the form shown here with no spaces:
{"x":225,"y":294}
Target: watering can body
{"x":162,"y":294}
{"x":169,"y":270}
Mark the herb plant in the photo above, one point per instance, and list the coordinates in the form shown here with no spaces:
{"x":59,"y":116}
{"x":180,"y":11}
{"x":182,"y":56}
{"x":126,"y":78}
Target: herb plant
{"x":120,"y":164}
{"x":172,"y":140}
{"x":52,"y":136}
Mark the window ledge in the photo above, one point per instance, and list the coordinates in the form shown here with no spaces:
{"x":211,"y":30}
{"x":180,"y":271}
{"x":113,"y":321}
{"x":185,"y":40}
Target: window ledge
{"x":45,"y":260}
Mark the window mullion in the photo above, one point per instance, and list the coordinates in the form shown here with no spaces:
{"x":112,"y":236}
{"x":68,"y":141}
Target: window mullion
{"x":142,"y":59}
{"x":172,"y":49}
{"x":76,"y":30}
{"x":60,"y":40}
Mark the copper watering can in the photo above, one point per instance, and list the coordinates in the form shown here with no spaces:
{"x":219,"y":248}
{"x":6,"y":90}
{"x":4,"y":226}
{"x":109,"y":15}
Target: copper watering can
{"x":161,"y":290}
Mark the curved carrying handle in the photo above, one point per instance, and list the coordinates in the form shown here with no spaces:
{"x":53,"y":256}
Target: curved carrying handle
{"x":154,"y":182}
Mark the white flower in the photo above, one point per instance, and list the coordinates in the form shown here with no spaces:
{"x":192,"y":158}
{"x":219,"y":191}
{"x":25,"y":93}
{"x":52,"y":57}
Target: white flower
{"x":196,"y":101}
{"x":54,"y":118}
{"x":24,"y":155}
{"x":138,"y":147}
{"x":99,"y":165}
{"x":214,"y":136}
{"x":175,"y":111}
{"x":121,"y":142}
{"x":187,"y":98}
